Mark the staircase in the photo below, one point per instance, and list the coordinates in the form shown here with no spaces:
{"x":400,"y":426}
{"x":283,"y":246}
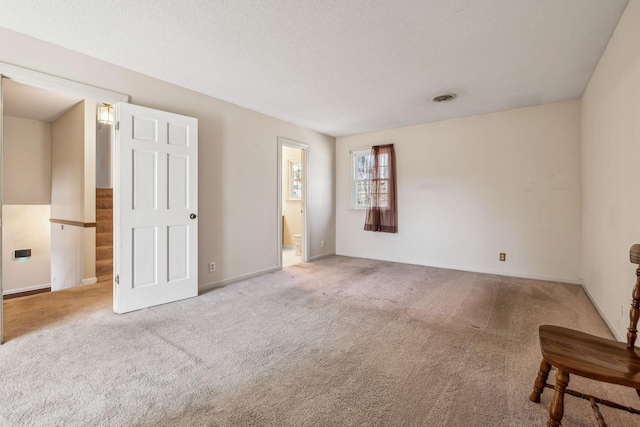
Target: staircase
{"x":104,"y":235}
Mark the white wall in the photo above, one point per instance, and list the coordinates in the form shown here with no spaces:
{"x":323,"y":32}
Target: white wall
{"x":25,"y":227}
{"x":611,"y":172}
{"x":26,"y":162}
{"x":89,"y":198}
{"x":103,"y":156}
{"x":238,"y":161}
{"x":473,"y":187}
{"x":67,"y":256}
{"x":291,"y":208}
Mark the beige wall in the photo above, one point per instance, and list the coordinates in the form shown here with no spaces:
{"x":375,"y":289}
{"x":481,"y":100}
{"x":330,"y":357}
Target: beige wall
{"x":25,"y":227}
{"x":26,"y":162}
{"x":291,"y":208}
{"x":73,"y":175}
{"x":473,"y":187}
{"x":67,"y":165}
{"x":238,"y":172}
{"x":26,"y":203}
{"x":610,"y":125}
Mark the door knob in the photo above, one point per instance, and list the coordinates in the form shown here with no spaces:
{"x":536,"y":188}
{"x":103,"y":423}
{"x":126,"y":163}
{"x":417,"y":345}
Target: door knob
{"x":193,"y":216}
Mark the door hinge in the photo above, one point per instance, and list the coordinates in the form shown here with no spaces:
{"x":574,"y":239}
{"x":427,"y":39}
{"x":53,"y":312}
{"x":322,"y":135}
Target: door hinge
{"x":117,"y":125}
{"x":117,"y":279}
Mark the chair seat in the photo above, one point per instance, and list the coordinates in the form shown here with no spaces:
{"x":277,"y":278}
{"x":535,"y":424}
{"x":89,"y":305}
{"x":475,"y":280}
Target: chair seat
{"x":590,"y":356}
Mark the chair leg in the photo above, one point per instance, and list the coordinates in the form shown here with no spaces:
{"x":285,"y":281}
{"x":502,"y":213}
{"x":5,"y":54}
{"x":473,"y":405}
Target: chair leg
{"x":556,"y":408}
{"x":541,"y":380}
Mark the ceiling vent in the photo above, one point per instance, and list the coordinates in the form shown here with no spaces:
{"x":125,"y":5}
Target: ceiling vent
{"x":444,"y":98}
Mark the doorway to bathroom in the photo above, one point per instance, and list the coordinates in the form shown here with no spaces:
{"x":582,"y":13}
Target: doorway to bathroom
{"x":292,"y":162}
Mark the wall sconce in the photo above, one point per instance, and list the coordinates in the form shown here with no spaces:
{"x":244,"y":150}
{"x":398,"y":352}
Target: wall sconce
{"x":105,"y":114}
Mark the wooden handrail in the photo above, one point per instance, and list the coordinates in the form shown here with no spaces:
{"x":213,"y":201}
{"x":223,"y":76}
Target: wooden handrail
{"x":73,"y":223}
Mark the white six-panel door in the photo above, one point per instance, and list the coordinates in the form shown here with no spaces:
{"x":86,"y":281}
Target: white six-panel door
{"x":155,"y":208}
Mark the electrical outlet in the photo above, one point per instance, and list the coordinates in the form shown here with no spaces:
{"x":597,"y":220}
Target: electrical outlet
{"x":212,"y":267}
{"x":621,"y":309}
{"x":503,"y":256}
{"x":322,"y":243}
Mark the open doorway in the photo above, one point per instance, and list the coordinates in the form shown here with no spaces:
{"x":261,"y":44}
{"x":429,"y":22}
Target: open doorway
{"x":292,"y":201}
{"x":48,"y":143}
{"x":49,"y":205}
{"x":291,"y":206}
{"x":137,"y":143}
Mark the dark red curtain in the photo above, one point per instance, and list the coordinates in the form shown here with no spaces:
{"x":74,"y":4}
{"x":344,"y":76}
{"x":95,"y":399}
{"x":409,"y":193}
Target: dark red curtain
{"x":381,"y":209}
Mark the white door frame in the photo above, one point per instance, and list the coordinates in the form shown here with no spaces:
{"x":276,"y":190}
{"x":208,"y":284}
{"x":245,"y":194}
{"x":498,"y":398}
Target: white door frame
{"x":1,"y":203}
{"x":47,"y":81}
{"x":304,"y":202}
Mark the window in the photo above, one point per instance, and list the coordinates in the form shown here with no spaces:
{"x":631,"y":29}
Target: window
{"x":295,"y":179}
{"x":364,"y":179}
{"x":382,"y":215}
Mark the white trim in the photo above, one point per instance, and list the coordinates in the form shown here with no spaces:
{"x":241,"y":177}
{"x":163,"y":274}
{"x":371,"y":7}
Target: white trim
{"x":27,"y":289}
{"x":90,"y":281}
{"x":1,"y":203}
{"x":604,"y":316}
{"x":47,"y":81}
{"x":317,"y":257}
{"x":304,"y":202}
{"x":570,"y":280}
{"x":290,"y":198}
{"x":354,"y":153}
{"x":351,"y":150}
{"x":225,"y":282}
{"x":219,"y":284}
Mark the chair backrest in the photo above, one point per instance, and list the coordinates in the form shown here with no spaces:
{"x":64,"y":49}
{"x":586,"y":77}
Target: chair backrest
{"x":634,"y":313}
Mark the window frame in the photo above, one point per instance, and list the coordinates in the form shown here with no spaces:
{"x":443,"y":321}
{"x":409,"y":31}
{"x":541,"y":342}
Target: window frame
{"x":356,"y":153}
{"x":292,"y":179}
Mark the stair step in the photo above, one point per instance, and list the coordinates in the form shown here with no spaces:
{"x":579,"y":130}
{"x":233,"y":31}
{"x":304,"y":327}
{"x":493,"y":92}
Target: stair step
{"x":104,"y":192}
{"x":104,"y":267}
{"x":104,"y":214}
{"x":104,"y":239}
{"x":106,"y":278}
{"x":104,"y":226}
{"x":104,"y":204}
{"x":104,"y":234}
{"x":104,"y":253}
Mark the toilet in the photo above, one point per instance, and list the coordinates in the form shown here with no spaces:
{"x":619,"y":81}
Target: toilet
{"x":297,"y":242}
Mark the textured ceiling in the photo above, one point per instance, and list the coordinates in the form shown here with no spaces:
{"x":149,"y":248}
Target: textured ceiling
{"x":342,"y":66}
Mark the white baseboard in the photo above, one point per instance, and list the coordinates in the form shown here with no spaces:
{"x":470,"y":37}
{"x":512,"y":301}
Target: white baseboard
{"x":27,"y":289}
{"x":225,"y":282}
{"x":89,"y":281}
{"x":571,"y":280}
{"x":606,"y":319}
{"x":317,"y":257}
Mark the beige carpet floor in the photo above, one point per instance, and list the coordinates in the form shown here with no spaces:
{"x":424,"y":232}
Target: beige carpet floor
{"x":337,"y":342}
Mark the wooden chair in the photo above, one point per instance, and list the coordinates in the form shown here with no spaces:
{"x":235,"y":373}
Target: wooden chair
{"x":573,"y":352}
